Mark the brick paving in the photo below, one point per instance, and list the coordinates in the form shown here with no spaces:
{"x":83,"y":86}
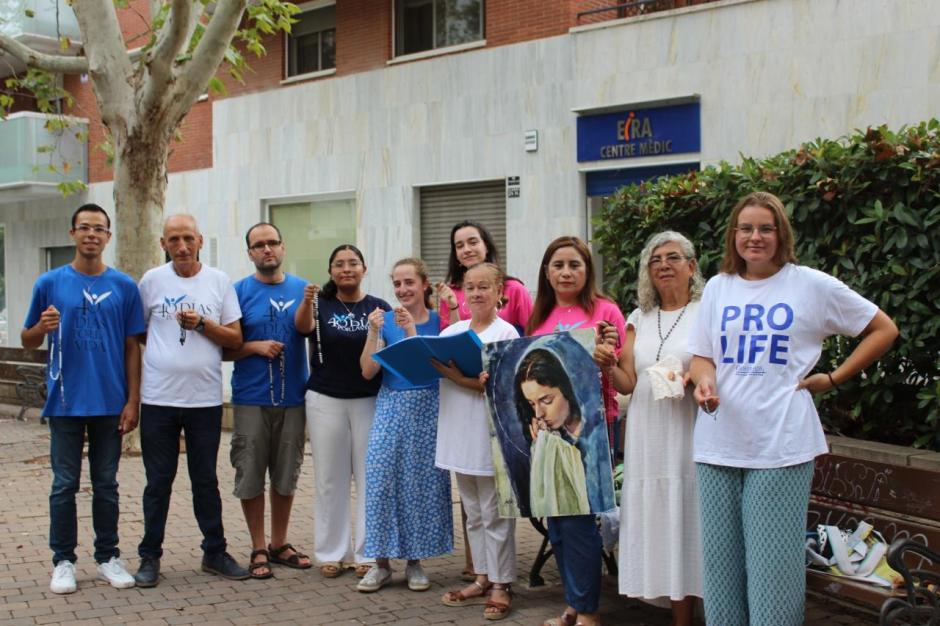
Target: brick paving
{"x":187,"y":596}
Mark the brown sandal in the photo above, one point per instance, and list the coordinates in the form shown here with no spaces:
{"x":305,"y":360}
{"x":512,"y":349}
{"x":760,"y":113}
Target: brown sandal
{"x":291,"y":561}
{"x":331,"y":569}
{"x":501,"y":608}
{"x":254,"y":566}
{"x":362,"y":569}
{"x":458,"y":598}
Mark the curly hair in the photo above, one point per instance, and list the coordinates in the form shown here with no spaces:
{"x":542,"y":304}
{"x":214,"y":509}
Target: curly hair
{"x":646,"y":295}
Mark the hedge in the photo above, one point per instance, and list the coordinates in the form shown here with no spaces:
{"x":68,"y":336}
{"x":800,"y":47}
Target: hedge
{"x":865,"y":208}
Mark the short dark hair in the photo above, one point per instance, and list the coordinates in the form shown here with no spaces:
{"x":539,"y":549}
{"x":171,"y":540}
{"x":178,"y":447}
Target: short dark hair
{"x":90,"y":208}
{"x":259,"y":225}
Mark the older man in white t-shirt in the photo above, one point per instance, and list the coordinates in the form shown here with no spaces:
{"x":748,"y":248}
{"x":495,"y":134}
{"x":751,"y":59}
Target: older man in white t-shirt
{"x":192,"y":313}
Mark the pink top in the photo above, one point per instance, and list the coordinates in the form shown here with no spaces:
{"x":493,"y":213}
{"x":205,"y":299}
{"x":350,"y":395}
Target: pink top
{"x":573,"y":318}
{"x":516,"y":311}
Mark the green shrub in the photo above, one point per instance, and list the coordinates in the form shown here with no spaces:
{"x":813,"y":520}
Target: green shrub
{"x":865,"y":208}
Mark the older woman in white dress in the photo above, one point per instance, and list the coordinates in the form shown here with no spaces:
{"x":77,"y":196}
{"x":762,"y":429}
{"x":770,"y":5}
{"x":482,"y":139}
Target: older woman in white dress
{"x":660,"y":532}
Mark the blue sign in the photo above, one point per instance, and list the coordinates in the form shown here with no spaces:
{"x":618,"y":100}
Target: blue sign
{"x":638,"y":133}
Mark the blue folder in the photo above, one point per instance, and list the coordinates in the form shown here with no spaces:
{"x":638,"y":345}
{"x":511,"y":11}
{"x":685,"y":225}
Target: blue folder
{"x":411,"y":358}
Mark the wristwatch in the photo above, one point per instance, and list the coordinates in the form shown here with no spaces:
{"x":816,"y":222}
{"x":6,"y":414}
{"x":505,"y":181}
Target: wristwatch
{"x":200,"y":325}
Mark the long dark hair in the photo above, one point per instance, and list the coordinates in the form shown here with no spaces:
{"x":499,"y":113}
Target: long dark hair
{"x":455,"y":270}
{"x":545,"y":297}
{"x":544,"y":368}
{"x":422,"y":271}
{"x":329,"y":289}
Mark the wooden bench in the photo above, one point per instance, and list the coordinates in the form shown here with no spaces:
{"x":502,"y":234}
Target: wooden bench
{"x":900,"y":501}
{"x":23,"y":378}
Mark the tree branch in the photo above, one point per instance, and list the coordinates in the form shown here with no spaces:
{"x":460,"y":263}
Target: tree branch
{"x":169,"y":41}
{"x":108,"y":61}
{"x":192,"y":81}
{"x":50,"y":62}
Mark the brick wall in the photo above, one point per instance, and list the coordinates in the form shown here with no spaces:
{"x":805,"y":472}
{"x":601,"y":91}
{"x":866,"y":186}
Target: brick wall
{"x":512,"y":21}
{"x":363,"y":35}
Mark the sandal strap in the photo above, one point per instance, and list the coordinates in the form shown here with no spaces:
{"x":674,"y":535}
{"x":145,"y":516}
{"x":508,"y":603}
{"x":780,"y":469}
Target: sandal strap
{"x":277,"y":552}
{"x":260,"y":551}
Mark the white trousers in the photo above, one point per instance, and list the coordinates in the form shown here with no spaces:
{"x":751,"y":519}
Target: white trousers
{"x":492,"y":538}
{"x":339,"y":436}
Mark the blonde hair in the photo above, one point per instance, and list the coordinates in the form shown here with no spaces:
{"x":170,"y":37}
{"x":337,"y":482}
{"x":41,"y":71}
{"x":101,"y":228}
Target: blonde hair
{"x":646,"y":295}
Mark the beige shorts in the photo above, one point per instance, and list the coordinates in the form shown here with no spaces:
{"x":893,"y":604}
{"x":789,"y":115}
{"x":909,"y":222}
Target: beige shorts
{"x":267,"y":439}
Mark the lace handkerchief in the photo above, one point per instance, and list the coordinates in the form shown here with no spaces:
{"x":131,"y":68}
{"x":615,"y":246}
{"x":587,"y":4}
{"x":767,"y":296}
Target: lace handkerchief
{"x":659,"y":378}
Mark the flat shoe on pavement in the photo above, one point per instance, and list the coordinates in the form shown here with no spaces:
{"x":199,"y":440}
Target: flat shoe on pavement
{"x":417,"y":580}
{"x":115,"y":573}
{"x":222,"y":564}
{"x":374,"y":580}
{"x":63,"y":578}
{"x":148,"y":574}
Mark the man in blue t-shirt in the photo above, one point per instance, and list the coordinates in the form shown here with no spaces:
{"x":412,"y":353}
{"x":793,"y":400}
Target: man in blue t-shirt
{"x":268,"y":397}
{"x":92,"y":314}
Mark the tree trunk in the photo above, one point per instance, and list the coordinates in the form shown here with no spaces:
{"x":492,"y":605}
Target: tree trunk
{"x":139,"y":192}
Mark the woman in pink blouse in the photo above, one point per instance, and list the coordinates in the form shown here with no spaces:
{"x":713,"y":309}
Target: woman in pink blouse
{"x":471,"y":243}
{"x":568,"y":299}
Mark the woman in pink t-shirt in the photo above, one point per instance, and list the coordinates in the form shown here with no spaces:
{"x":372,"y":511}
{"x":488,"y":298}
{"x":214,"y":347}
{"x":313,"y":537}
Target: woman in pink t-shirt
{"x":471,"y":243}
{"x":568,"y":299}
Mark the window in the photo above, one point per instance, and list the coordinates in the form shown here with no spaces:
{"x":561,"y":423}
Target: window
{"x":427,"y":24}
{"x":58,"y":256}
{"x":311,"y":230}
{"x":311,"y":44}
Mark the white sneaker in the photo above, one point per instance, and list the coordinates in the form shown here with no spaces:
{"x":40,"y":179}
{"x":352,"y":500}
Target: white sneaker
{"x":374,"y":580}
{"x":417,"y":580}
{"x":63,"y":578}
{"x":115,"y":573}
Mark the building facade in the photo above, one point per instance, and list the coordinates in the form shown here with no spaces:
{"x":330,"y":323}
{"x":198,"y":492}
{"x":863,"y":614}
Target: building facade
{"x":383,"y":122}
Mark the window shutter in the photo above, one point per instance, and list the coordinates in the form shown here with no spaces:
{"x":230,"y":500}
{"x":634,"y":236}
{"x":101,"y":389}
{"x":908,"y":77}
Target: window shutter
{"x":443,"y":206}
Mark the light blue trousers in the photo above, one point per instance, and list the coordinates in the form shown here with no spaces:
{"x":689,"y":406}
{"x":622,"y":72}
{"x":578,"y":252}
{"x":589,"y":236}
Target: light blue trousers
{"x":753,"y":535}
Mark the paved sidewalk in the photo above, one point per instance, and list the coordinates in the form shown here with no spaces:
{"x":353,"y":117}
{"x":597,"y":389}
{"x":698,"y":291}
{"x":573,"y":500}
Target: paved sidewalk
{"x":187,"y":596}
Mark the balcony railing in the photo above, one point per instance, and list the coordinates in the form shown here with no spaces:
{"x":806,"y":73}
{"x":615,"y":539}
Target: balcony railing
{"x":37,"y":155}
{"x":602,"y":11}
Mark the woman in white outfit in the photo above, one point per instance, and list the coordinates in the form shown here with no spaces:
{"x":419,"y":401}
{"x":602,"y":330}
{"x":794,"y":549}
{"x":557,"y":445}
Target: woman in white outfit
{"x":660,"y":532}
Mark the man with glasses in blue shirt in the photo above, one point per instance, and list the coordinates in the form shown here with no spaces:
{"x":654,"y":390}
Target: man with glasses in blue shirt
{"x":268,"y":386}
{"x":91,"y":314}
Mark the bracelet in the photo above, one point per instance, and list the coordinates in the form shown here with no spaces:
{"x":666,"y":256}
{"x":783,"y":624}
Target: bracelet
{"x":834,"y":385}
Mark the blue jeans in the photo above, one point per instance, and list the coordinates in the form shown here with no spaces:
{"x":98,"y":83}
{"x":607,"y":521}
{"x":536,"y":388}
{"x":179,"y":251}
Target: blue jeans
{"x":104,"y":453}
{"x":578,"y":550}
{"x":160,"y":428}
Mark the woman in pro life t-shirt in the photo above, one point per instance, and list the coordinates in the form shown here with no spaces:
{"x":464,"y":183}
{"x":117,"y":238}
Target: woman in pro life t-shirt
{"x":757,"y":337}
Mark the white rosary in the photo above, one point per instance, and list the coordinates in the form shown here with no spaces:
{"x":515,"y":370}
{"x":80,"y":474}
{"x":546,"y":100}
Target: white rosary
{"x":56,"y":346}
{"x":316,"y":322}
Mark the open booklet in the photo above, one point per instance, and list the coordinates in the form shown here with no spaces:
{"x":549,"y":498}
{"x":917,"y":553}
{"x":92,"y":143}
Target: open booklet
{"x":411,"y":358}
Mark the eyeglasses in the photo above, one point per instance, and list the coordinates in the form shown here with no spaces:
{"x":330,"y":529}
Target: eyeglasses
{"x":261,"y":245}
{"x":351,"y":264}
{"x":764,"y":230}
{"x":672,"y":259}
{"x":88,"y":228}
